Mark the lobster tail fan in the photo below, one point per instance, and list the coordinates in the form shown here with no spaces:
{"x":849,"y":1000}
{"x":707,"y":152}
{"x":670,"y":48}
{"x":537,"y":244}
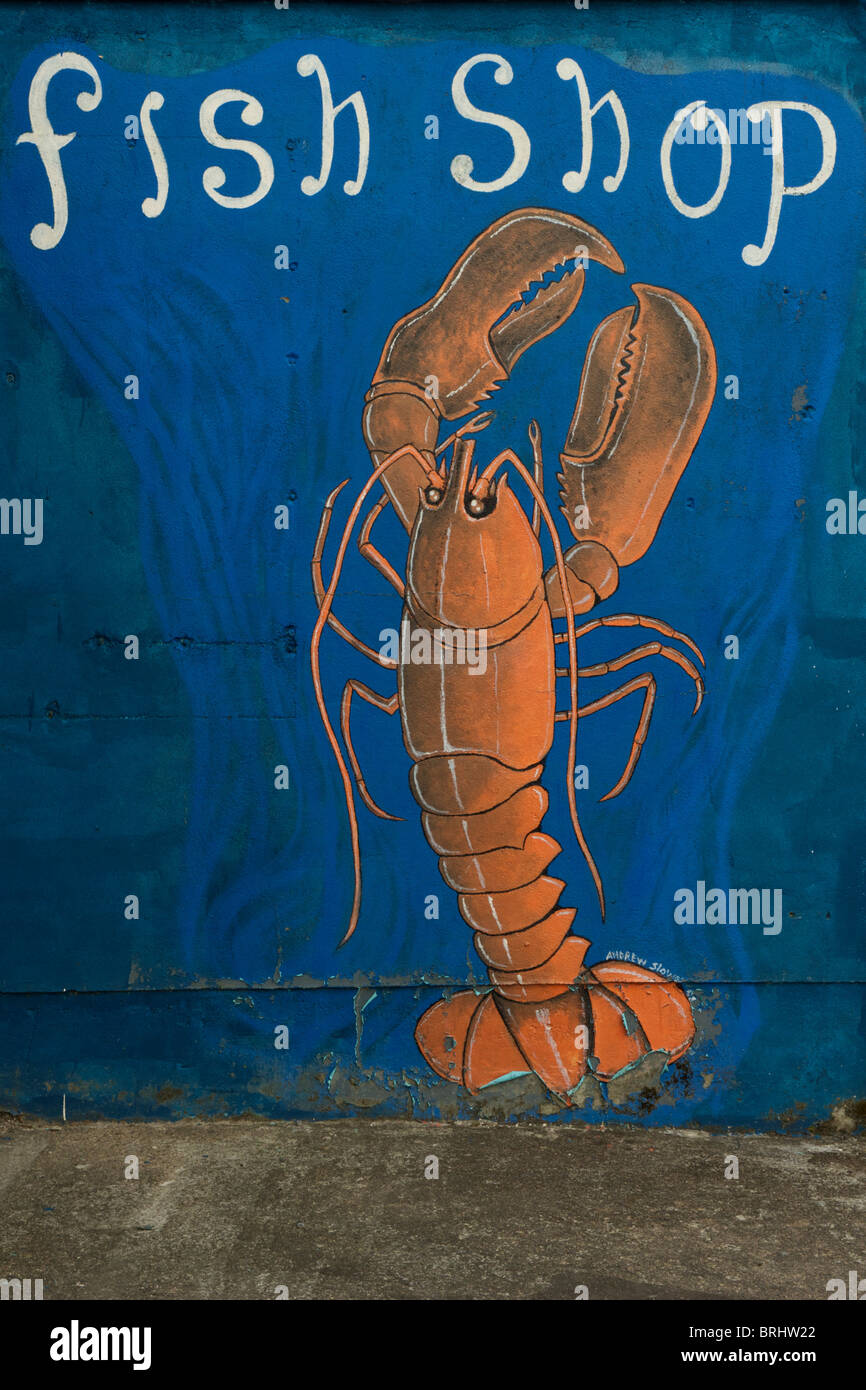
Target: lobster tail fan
{"x":613,"y":1016}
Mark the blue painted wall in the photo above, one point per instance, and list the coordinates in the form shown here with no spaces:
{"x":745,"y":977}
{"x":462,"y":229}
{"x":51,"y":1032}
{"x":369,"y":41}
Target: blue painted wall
{"x":156,"y":777}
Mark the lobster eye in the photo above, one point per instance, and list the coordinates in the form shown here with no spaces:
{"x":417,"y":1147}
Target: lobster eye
{"x":433,"y":494}
{"x":481,"y":506}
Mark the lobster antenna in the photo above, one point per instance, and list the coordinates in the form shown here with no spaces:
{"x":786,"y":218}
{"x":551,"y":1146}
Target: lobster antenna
{"x":492,"y":469}
{"x":324,"y":613}
{"x":538,"y":497}
{"x":538,"y":469}
{"x":473,"y":426}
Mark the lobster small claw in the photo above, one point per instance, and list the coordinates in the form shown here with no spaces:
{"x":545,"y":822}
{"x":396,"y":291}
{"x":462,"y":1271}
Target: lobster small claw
{"x":442,"y":359}
{"x":647,"y":386}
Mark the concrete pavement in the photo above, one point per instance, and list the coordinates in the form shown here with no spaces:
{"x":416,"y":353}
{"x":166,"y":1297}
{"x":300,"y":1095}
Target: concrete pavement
{"x":351,"y":1209}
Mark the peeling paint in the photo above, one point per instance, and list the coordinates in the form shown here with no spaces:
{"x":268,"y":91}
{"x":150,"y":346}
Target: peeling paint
{"x":363,"y":997}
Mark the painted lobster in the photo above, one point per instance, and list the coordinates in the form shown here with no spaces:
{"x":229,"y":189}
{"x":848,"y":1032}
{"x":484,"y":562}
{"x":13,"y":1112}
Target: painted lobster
{"x":475,"y":564}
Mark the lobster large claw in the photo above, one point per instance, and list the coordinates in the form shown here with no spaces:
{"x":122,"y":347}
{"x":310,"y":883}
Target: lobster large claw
{"x":646,"y":390}
{"x":443,"y":359}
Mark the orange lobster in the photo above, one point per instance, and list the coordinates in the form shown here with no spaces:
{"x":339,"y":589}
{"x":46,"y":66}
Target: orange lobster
{"x":478,"y":741}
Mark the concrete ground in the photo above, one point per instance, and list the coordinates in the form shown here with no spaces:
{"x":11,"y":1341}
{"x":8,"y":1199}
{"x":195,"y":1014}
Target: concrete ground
{"x":343,"y":1210}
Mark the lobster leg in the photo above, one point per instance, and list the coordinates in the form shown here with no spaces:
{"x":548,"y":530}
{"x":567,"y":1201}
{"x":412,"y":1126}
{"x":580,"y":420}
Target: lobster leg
{"x":388,"y":705}
{"x":319,"y":589}
{"x":325,"y":603}
{"x":636,"y":620}
{"x":647,"y":683}
{"x":374,"y":556}
{"x":605,"y":668}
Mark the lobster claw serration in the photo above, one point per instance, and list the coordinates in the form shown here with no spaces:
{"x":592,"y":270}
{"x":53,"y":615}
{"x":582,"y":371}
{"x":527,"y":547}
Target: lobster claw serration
{"x":645,"y":393}
{"x":444,"y":358}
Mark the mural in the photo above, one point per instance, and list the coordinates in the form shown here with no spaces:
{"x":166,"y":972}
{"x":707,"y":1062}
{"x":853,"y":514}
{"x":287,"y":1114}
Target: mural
{"x":593,"y":682}
{"x":479,"y":731}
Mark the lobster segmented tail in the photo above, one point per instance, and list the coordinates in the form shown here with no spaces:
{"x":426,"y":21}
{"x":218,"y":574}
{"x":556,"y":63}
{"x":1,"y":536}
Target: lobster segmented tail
{"x":494,"y":855}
